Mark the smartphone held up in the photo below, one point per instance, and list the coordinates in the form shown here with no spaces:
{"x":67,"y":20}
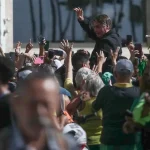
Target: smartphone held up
{"x":138,"y":50}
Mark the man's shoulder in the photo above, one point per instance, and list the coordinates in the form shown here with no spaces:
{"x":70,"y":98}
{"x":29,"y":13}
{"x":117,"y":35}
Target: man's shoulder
{"x":112,"y":38}
{"x":106,"y":88}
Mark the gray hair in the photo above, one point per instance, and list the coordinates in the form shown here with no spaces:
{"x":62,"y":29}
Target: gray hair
{"x":93,"y":84}
{"x":81,"y":76}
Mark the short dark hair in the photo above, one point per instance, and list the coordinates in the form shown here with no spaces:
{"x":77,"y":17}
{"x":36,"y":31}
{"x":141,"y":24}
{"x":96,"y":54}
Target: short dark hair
{"x":121,"y":57}
{"x":7,"y":70}
{"x":46,"y":68}
{"x":103,"y":19}
{"x":80,"y":57}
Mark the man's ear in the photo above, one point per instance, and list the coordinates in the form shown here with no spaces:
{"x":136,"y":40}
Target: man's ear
{"x":85,"y":65}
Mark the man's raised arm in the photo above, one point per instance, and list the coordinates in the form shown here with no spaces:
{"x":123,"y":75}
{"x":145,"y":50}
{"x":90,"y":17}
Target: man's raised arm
{"x":85,"y":23}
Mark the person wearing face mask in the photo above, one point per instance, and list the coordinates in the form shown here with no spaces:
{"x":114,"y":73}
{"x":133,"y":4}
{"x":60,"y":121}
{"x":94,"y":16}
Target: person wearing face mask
{"x":100,"y":30}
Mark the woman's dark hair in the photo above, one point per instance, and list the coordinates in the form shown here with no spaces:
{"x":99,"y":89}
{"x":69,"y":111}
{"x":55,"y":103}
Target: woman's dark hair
{"x":7,"y":70}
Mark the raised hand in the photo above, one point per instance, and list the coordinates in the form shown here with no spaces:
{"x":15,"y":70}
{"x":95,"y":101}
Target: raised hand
{"x":94,"y":69}
{"x":18,"y":47}
{"x":66,"y":46}
{"x":100,"y":57}
{"x":79,"y":13}
{"x":114,"y":55}
{"x":131,"y":47}
{"x":29,"y":46}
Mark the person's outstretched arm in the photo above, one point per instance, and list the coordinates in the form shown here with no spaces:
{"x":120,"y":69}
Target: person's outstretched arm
{"x":85,"y":23}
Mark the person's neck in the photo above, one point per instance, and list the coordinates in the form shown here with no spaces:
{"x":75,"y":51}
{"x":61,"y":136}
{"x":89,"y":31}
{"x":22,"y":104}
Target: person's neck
{"x":3,"y":89}
{"x":123,"y":81}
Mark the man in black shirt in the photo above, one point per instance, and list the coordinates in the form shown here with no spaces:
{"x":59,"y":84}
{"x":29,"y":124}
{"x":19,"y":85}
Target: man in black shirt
{"x":114,"y":105}
{"x":102,"y":33}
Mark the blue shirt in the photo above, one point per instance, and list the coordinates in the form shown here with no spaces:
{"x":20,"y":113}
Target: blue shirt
{"x":17,"y":142}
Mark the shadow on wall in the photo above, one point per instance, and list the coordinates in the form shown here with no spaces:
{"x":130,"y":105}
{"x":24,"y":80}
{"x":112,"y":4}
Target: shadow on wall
{"x":56,"y":20}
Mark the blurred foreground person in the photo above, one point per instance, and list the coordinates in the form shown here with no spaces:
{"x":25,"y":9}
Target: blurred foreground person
{"x":7,"y":70}
{"x":34,"y":121}
{"x":114,"y":101}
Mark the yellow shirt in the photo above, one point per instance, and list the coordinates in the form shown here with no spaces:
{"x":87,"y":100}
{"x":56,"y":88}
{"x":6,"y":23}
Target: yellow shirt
{"x":93,"y":125}
{"x":70,"y":87}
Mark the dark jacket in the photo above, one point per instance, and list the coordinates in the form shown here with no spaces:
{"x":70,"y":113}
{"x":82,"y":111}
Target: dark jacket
{"x":110,"y":40}
{"x":5,"y":119}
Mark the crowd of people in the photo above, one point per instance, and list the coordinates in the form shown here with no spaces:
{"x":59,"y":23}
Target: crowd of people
{"x":61,"y":100}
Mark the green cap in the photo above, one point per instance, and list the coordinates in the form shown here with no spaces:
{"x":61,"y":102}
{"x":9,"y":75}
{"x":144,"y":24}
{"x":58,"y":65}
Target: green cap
{"x":106,"y":77}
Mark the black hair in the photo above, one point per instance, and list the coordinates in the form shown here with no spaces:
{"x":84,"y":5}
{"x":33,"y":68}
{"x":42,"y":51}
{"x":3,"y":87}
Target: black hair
{"x":7,"y":70}
{"x":46,"y":68}
{"x":79,"y":58}
{"x":103,"y":19}
{"x":121,"y":57}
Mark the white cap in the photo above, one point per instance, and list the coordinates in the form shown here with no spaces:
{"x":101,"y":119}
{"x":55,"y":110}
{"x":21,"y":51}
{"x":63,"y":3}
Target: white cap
{"x":80,"y":134}
{"x":58,"y":63}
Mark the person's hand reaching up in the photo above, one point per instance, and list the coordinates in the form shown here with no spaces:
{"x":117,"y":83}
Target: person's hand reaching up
{"x":18,"y":48}
{"x":29,"y":46}
{"x":79,"y":13}
{"x":66,"y":46}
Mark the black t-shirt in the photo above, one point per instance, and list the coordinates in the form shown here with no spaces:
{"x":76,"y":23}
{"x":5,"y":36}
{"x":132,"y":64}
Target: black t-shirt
{"x":114,"y":101}
{"x":5,"y":119}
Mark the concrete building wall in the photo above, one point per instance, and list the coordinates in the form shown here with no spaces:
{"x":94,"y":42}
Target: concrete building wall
{"x":148,"y":20}
{"x":6,"y":24}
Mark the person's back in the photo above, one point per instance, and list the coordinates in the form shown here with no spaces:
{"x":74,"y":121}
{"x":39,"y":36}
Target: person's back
{"x":114,"y":105}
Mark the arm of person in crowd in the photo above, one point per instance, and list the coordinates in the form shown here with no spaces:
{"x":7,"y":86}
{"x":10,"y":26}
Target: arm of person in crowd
{"x":20,"y":57}
{"x":17,"y":55}
{"x":68,"y":62}
{"x":131,"y":50}
{"x":106,"y":47}
{"x":100,"y":61}
{"x":139,"y":119}
{"x":85,"y":23}
{"x":1,"y":52}
{"x":114,"y":56}
{"x":41,"y":47}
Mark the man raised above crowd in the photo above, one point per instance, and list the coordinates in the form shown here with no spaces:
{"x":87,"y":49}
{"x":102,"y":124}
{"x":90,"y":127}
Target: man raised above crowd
{"x":100,"y":30}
